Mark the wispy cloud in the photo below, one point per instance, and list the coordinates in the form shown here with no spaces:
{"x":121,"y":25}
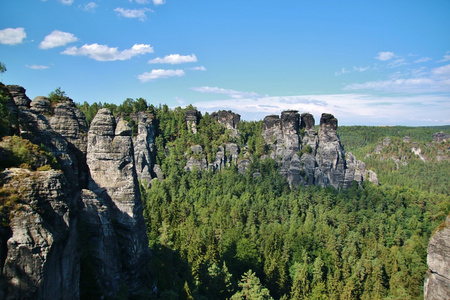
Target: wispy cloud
{"x":160,"y":73}
{"x":67,"y":2}
{"x":446,"y":57}
{"x":91,"y":6}
{"x":174,"y":59}
{"x":230,"y":93}
{"x":57,"y":39}
{"x":363,"y":108}
{"x":105,"y":53}
{"x":444,"y":70}
{"x":140,"y":14}
{"x":159,"y":2}
{"x":12,"y":36}
{"x":200,"y":68}
{"x":37,"y":67}
{"x":422,"y":60}
{"x":383,"y":56}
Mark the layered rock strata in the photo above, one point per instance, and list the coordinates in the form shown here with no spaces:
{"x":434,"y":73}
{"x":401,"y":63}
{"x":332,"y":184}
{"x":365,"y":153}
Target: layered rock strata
{"x":110,"y":158}
{"x":314,"y":158}
{"x":437,"y":281}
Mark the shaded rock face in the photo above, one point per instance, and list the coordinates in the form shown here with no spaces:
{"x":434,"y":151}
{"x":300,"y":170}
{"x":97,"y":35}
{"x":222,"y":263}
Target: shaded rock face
{"x":192,"y":117}
{"x":316,"y":158}
{"x":42,"y":257}
{"x":227,"y":118}
{"x":144,"y":148}
{"x":41,"y":105}
{"x":110,"y":158}
{"x":18,"y":94}
{"x":437,"y":281}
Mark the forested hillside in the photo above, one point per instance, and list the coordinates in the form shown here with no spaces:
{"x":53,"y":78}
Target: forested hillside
{"x":217,"y":235}
{"x":234,"y":234}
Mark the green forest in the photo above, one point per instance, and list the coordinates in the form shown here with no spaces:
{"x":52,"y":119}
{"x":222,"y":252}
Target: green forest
{"x":227,"y":235}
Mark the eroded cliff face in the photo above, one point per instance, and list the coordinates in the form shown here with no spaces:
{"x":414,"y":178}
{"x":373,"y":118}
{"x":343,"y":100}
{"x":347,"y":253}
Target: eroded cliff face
{"x":312,"y":158}
{"x":113,"y":178}
{"x":41,"y":252}
{"x":437,"y":281}
{"x":83,"y":221}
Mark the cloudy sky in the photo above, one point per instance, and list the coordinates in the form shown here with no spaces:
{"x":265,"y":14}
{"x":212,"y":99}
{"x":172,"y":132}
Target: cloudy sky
{"x":367,"y":62}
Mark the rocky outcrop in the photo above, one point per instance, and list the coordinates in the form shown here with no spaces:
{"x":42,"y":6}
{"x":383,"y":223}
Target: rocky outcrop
{"x":229,"y":119}
{"x":192,"y":117}
{"x":18,"y":94}
{"x":42,"y":257}
{"x":316,"y":158}
{"x":440,"y":137}
{"x":110,"y":158}
{"x":144,"y":148}
{"x":437,"y":281}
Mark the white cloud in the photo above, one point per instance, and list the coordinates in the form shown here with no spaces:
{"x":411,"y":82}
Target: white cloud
{"x":422,"y":60}
{"x":105,"y":53}
{"x":141,"y":1}
{"x":383,"y":56}
{"x":444,"y":70}
{"x":174,"y":59}
{"x":446,"y":57}
{"x":37,"y":67}
{"x":343,"y":71}
{"x":230,"y":93}
{"x":57,"y":39}
{"x":67,"y":2}
{"x":160,"y":73}
{"x":12,"y":36}
{"x":361,"y":69}
{"x":140,"y":14}
{"x":91,"y":6}
{"x":396,"y":85}
{"x":350,"y":109}
{"x":159,"y":2}
{"x":200,"y":68}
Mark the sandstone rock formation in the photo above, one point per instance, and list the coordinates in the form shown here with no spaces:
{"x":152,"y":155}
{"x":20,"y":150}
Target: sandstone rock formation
{"x":437,"y":281}
{"x":229,"y":119}
{"x":110,"y":158}
{"x":144,"y":148}
{"x":60,"y":229}
{"x":316,"y":158}
{"x":192,"y":117}
{"x":42,"y":257}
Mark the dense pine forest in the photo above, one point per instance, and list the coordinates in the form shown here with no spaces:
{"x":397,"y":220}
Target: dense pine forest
{"x":227,"y":235}
{"x":232,"y":235}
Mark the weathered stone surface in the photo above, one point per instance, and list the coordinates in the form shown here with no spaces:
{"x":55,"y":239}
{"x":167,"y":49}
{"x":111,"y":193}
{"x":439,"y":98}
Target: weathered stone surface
{"x":197,"y":161}
{"x":318,"y":159}
{"x":68,"y":121}
{"x":110,"y":157}
{"x":42,"y":259}
{"x":19,"y":96}
{"x":144,"y":149}
{"x":101,"y":239}
{"x":227,"y":118}
{"x":192,"y":117}
{"x":437,"y":281}
{"x":440,"y":137}
{"x":41,"y":105}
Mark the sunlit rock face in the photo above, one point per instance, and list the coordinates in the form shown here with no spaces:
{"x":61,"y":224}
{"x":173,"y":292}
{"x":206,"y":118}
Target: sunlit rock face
{"x":310,"y":158}
{"x":437,"y":281}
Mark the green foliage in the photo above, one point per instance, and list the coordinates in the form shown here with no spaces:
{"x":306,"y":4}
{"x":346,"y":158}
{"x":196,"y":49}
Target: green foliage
{"x":304,"y":243}
{"x":19,"y":152}
{"x":57,"y":95}
{"x":396,"y":164}
{"x":7,"y":120}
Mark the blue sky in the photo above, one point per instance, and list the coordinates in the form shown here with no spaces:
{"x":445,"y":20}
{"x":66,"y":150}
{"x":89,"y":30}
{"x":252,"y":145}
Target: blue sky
{"x":367,"y":62}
